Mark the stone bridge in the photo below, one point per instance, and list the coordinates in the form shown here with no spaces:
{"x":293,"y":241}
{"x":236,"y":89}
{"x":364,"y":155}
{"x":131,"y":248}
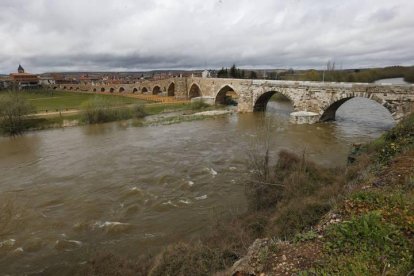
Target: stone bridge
{"x":312,"y":101}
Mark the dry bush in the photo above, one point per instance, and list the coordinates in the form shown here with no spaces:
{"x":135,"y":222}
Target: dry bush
{"x":188,"y":259}
{"x":108,"y":264}
{"x":300,"y":194}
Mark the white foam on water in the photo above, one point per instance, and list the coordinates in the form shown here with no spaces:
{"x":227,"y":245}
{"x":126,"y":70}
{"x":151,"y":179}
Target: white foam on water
{"x":190,"y":183}
{"x":7,"y":243}
{"x":201,"y":197}
{"x":185,"y":201}
{"x":18,"y":250}
{"x":169,"y":203}
{"x":111,"y":224}
{"x":213,"y":172}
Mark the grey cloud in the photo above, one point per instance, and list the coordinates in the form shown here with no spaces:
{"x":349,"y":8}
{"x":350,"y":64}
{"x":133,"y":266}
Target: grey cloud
{"x":105,"y":35}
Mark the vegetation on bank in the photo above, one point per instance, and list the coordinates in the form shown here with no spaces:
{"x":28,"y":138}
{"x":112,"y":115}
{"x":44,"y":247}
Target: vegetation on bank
{"x":14,"y":110}
{"x":357,"y":220}
{"x":102,"y":110}
{"x":18,"y":114}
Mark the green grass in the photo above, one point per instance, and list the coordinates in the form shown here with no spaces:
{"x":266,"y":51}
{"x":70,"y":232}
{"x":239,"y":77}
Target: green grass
{"x":367,"y":245}
{"x":52,"y":101}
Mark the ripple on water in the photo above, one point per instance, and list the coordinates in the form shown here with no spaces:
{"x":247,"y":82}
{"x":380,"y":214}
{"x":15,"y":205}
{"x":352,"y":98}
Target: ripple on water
{"x":123,"y":189}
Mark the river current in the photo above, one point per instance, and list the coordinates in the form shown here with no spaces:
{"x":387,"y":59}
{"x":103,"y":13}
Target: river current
{"x":68,"y":193}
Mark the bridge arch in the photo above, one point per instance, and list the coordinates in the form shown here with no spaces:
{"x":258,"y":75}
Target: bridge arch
{"x":102,"y":89}
{"x":226,"y":95}
{"x":77,"y":88}
{"x":71,"y":88}
{"x":55,"y":87}
{"x":121,"y":89}
{"x":171,"y":89}
{"x":329,"y":111}
{"x":156,"y":90}
{"x":94,"y":90}
{"x":261,"y":102}
{"x":111,"y":90}
{"x":64,"y":87}
{"x":194,"y":91}
{"x":134,"y":90}
{"x":144,"y":90}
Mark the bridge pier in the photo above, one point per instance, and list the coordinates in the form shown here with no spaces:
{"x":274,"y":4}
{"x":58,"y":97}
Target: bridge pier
{"x":304,"y":117}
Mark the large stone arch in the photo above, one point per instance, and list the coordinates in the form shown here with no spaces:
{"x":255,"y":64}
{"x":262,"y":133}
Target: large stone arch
{"x":144,"y":90}
{"x":156,"y":90}
{"x":171,"y":90}
{"x":121,"y":89}
{"x":221,"y":96}
{"x":261,"y":102}
{"x":328,"y":111}
{"x":194,"y":91}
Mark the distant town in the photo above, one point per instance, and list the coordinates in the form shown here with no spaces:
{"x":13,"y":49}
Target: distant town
{"x":22,"y":79}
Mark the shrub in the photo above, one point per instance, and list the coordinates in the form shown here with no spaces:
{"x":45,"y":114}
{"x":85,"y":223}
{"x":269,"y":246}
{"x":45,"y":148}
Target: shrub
{"x":292,"y":177}
{"x":101,"y":110}
{"x":13,"y":112}
{"x":185,"y":259}
{"x":138,"y":111}
{"x":198,"y":105}
{"x":298,"y":216}
{"x":107,"y":264}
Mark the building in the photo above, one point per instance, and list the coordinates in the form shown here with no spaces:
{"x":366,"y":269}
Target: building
{"x":23,"y":80}
{"x":5,"y":82}
{"x":206,"y":74}
{"x":46,"y":80}
{"x":89,"y":80}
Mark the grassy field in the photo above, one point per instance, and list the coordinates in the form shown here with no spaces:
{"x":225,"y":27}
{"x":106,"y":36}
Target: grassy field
{"x":54,"y":109}
{"x":52,"y":101}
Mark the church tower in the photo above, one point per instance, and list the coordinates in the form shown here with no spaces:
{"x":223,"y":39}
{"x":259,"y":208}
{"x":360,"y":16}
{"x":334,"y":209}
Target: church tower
{"x":20,"y":69}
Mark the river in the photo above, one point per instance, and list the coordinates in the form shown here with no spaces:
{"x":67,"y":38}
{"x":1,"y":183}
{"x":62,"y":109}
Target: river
{"x":68,"y":193}
{"x":391,"y":81}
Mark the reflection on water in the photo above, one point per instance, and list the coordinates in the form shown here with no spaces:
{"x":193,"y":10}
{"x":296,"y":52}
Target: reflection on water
{"x":66,"y":193}
{"x":360,"y":117}
{"x":391,"y":81}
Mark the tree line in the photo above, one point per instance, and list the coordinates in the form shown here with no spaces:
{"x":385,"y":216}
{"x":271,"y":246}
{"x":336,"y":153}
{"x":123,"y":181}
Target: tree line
{"x":330,"y":74}
{"x":236,"y":73}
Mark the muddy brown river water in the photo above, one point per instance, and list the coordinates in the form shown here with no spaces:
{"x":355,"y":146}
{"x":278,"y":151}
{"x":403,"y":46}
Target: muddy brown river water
{"x":67,"y":193}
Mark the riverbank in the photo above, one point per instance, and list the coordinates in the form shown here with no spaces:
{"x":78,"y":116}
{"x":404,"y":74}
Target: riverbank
{"x":305,"y":219}
{"x":50,"y":109}
{"x":155,"y":114}
{"x":367,"y":231}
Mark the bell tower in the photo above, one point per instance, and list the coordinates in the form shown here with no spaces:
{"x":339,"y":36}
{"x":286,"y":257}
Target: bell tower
{"x":20,"y":69}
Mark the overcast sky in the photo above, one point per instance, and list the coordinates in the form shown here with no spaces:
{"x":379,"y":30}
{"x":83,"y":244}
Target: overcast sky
{"x":130,"y":35}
